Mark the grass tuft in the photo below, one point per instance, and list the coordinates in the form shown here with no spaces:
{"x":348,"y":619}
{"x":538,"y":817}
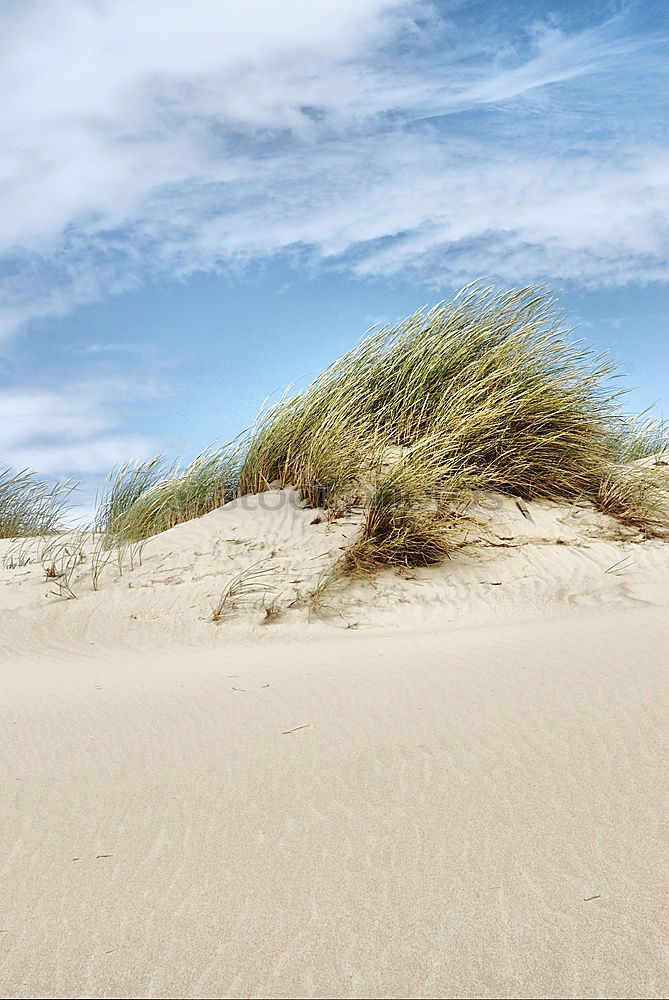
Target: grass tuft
{"x":144,"y":498}
{"x":636,"y":497}
{"x":641,"y":438}
{"x":415,"y":512}
{"x":486,"y":391}
{"x":30,"y":507}
{"x":240,"y":587}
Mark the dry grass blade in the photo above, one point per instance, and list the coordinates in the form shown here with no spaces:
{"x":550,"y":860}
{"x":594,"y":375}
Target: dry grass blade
{"x":241,"y":587}
{"x":620,"y":567}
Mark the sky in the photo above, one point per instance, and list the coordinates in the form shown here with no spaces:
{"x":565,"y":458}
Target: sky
{"x":202,"y":203}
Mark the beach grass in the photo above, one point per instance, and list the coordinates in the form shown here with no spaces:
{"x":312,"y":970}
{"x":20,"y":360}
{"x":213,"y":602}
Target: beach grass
{"x":242,"y":586}
{"x":486,"y":391}
{"x":143,"y":498}
{"x":30,"y":506}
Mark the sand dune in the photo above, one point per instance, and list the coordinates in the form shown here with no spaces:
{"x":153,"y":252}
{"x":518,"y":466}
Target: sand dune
{"x":534,"y":559}
{"x":447,"y":784}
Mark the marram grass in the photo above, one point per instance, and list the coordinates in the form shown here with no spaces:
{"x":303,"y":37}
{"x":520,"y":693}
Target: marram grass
{"x":30,"y":506}
{"x":491,"y":375}
{"x":485,"y":391}
{"x":143,"y":498}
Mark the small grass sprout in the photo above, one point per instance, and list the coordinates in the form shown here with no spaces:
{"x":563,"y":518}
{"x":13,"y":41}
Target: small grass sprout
{"x":241,"y":587}
{"x":60,"y":556}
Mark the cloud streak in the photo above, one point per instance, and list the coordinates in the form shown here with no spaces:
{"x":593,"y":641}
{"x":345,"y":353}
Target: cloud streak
{"x":73,"y":430}
{"x":156,"y":139}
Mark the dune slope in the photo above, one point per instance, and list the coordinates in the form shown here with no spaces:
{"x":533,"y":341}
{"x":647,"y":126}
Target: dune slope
{"x":444,"y":785}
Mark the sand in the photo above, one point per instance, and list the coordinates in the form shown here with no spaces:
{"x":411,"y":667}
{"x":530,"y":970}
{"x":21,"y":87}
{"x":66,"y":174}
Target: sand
{"x":444,"y":785}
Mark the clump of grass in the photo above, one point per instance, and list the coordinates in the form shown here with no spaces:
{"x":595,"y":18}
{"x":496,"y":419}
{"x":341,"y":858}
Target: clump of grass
{"x":637,"y":498}
{"x":633,"y":489}
{"x":126,"y":486}
{"x":327,"y":580}
{"x":641,"y":437}
{"x":491,"y":374}
{"x":240,"y":587}
{"x":486,"y":391}
{"x":144,"y":498}
{"x":320,"y":450}
{"x":415,"y":513}
{"x":30,"y":506}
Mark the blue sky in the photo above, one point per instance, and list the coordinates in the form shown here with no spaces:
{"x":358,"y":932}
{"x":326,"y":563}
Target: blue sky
{"x":202,"y":203}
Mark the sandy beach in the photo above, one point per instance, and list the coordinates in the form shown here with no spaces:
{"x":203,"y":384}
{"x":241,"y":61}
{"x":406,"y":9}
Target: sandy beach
{"x":447,"y":785}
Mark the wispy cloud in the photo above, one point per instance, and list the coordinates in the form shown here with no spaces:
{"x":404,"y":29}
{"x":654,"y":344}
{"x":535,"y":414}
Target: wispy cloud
{"x":381,"y":136}
{"x":76,"y":429}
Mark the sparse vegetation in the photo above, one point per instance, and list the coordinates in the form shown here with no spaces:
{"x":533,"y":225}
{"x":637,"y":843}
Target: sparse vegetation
{"x":30,"y":506}
{"x":100,"y":556}
{"x":60,"y":556}
{"x":326,"y":581}
{"x":272,"y":612}
{"x":241,"y":587}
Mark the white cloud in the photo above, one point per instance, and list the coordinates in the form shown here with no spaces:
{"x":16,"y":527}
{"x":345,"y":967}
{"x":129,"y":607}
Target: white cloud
{"x":74,"y":429}
{"x":154,"y":137}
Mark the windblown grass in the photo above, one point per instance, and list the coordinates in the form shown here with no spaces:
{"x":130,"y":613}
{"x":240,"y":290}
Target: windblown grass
{"x":641,"y":437}
{"x":485,"y":391}
{"x":242,"y":586}
{"x":144,"y":498}
{"x":29,"y":506}
{"x":413,"y":512}
{"x":491,"y":374}
{"x":636,"y":497}
{"x":634,"y":488}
